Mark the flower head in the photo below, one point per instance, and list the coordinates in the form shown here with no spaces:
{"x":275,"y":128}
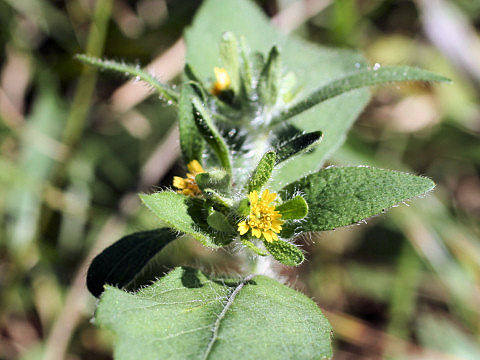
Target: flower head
{"x":222,"y":80}
{"x":188,"y":186}
{"x":263,"y":219}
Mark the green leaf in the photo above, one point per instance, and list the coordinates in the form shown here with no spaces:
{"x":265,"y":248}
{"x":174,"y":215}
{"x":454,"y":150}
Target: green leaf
{"x":269,"y":82}
{"x":211,"y":135}
{"x":217,"y":180}
{"x":191,"y":142}
{"x":184,"y":214}
{"x":246,"y":69}
{"x":263,"y":172}
{"x":355,"y":81}
{"x":340,"y":196}
{"x":134,"y":72}
{"x":253,"y":247}
{"x":296,"y":208}
{"x":285,"y":252}
{"x":297,"y":145}
{"x":219,"y":222}
{"x":188,"y":315}
{"x":119,"y":263}
{"x":229,"y":56}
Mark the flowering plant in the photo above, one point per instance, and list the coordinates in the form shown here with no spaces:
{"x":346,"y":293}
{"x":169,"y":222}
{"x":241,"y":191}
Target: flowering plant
{"x":253,"y":134}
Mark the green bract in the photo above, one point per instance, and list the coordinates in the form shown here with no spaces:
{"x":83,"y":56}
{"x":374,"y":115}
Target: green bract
{"x":264,"y":125}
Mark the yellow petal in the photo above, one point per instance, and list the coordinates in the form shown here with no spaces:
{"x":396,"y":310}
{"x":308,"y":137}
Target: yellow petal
{"x":253,"y":197}
{"x":222,"y":77}
{"x":274,"y":236}
{"x":178,"y":182}
{"x":257,"y":233}
{"x":195,"y":167}
{"x":267,"y":235}
{"x":268,"y":197}
{"x":243,"y":227}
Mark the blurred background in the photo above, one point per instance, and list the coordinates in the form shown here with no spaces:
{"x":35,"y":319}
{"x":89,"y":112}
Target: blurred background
{"x":76,"y":147}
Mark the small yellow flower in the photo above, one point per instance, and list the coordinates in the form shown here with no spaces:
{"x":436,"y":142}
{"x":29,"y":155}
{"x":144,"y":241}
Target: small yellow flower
{"x":263,"y":218}
{"x":188,"y":186}
{"x":222,"y":81}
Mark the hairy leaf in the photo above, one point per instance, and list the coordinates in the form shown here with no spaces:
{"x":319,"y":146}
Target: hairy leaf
{"x":188,"y":315}
{"x":340,"y":196}
{"x":269,"y":81}
{"x":262,"y":173}
{"x":297,"y":145}
{"x":184,"y":214}
{"x":133,"y":72}
{"x":219,"y":222}
{"x":254,"y":248}
{"x":358,"y":80}
{"x":296,"y":208}
{"x":119,"y":263}
{"x":191,"y":142}
{"x":211,"y":135}
{"x":229,"y":56}
{"x":285,"y":252}
{"x":217,"y":180}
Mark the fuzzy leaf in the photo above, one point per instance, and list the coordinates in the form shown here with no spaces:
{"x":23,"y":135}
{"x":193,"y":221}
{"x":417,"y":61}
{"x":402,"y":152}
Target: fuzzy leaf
{"x":270,"y":77}
{"x":297,"y":145}
{"x":134,"y":72}
{"x":211,"y":135}
{"x":188,"y":315}
{"x":253,"y":247}
{"x":229,"y":56}
{"x":263,"y":172}
{"x":184,"y":214}
{"x":296,"y":208}
{"x":358,"y":80}
{"x":119,"y":263}
{"x":191,"y":142}
{"x":285,"y":252}
{"x":219,"y":222}
{"x":217,"y":180}
{"x":340,"y":196}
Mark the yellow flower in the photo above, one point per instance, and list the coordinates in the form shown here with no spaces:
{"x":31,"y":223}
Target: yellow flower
{"x":263,"y":218}
{"x":188,"y":186}
{"x":222,"y":81}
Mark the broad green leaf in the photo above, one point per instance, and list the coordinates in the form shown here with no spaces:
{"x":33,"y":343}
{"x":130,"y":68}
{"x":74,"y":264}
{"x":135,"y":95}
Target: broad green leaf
{"x":119,"y":263}
{"x":358,"y":80}
{"x":188,"y":315}
{"x":183,"y":214}
{"x":191,"y":142}
{"x":217,"y":180}
{"x":219,"y":222}
{"x":134,"y":72}
{"x":285,"y":252}
{"x":229,"y":56}
{"x":297,"y":145}
{"x":254,"y":248}
{"x":296,"y":208}
{"x":340,"y":196}
{"x":316,"y":66}
{"x":263,"y":172}
{"x":270,"y":77}
{"x":210,"y":133}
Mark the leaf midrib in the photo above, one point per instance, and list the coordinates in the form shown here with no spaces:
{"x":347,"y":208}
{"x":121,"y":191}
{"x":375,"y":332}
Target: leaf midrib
{"x":221,"y":316}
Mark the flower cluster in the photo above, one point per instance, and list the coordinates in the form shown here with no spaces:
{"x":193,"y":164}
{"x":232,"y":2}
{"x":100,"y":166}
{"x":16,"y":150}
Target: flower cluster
{"x":188,"y":186}
{"x":263,"y":218}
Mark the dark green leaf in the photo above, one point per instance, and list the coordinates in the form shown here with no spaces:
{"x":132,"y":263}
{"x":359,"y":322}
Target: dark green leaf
{"x":263,"y":171}
{"x":340,"y":196}
{"x":191,"y":142}
{"x":296,"y":208}
{"x":219,"y":222}
{"x":210,"y":133}
{"x":298,"y":145}
{"x":269,"y":82}
{"x":119,"y":263}
{"x":285,"y":252}
{"x":187,"y":315}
